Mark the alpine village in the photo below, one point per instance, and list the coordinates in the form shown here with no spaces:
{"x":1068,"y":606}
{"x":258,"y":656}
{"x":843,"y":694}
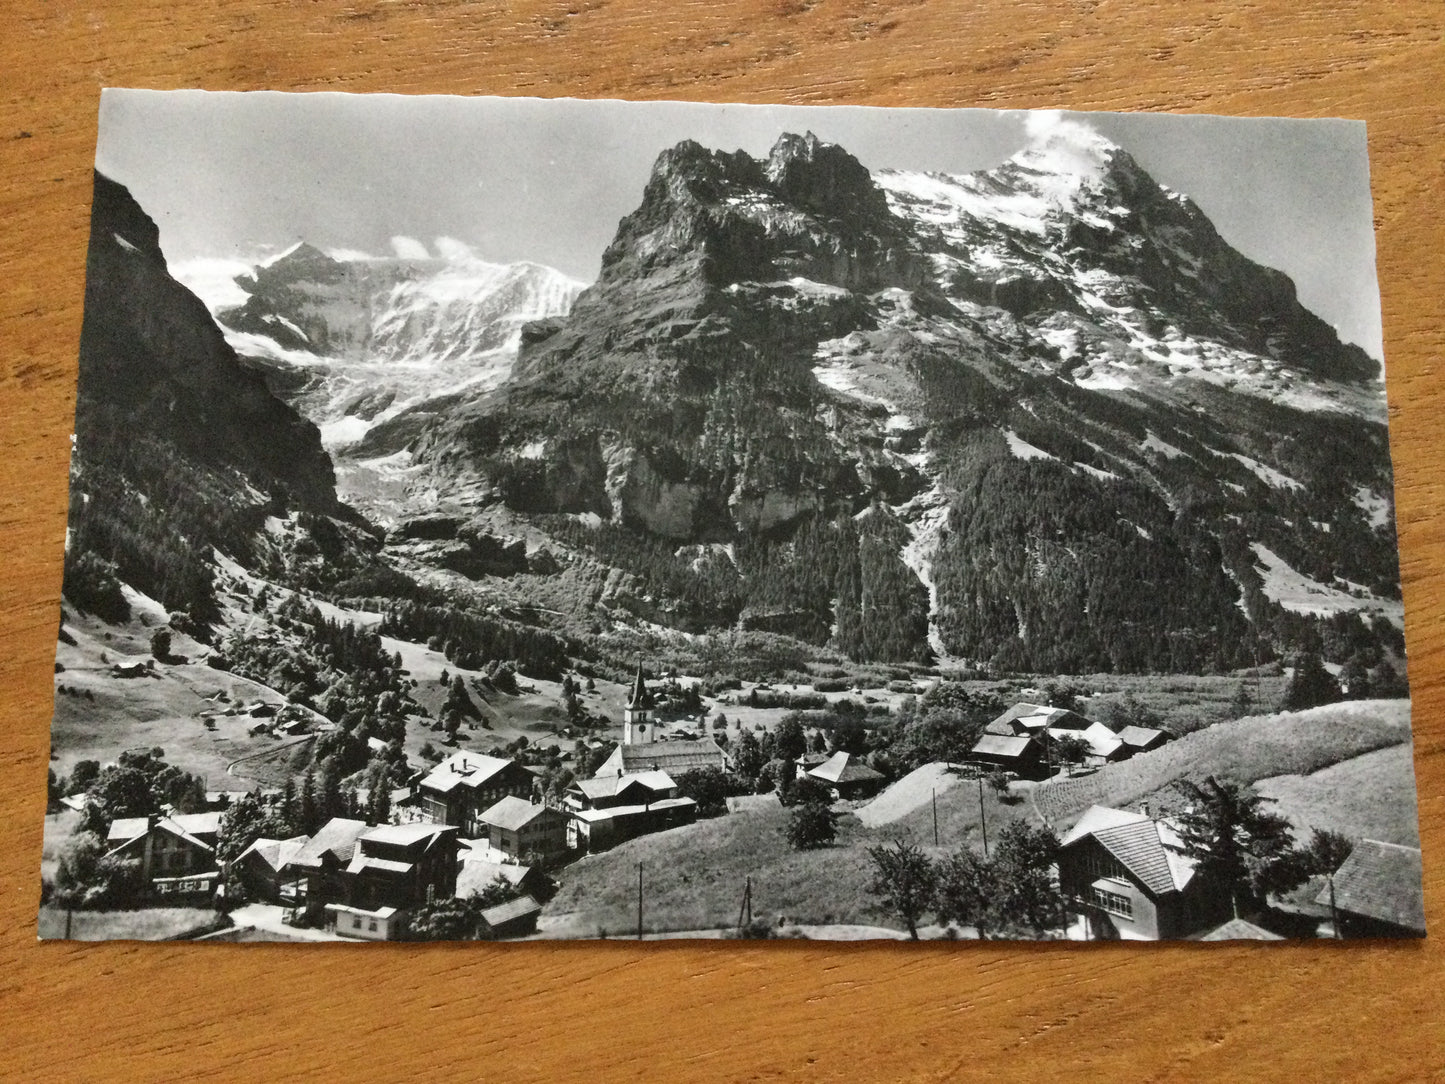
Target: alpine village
{"x":861,"y":555}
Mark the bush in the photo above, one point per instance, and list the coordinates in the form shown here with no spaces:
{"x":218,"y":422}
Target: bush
{"x":811,"y":825}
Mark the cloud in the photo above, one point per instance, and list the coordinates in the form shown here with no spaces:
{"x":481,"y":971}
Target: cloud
{"x":1040,"y":123}
{"x":449,"y":248}
{"x":213,"y":280}
{"x":409,"y":248}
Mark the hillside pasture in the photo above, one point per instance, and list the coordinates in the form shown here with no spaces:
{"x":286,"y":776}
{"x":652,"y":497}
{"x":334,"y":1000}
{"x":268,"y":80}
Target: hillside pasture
{"x":1245,"y":750}
{"x":1371,"y":796}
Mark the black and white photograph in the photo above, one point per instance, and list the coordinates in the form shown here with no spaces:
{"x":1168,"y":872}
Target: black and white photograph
{"x":513,"y":519}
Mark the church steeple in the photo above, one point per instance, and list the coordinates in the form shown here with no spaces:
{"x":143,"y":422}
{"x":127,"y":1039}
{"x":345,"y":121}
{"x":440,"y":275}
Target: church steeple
{"x":637,"y":724}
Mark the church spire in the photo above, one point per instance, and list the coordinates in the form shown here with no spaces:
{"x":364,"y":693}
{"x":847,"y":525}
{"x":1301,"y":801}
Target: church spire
{"x":641,"y":694}
{"x":638,"y":728}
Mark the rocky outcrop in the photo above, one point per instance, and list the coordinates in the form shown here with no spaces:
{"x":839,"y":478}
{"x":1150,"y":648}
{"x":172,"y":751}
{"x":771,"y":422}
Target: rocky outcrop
{"x":154,"y":363}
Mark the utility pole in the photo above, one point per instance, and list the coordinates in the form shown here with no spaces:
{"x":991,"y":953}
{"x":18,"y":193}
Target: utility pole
{"x":982,"y":819}
{"x":745,"y":912}
{"x":935,"y":816}
{"x":639,"y":901}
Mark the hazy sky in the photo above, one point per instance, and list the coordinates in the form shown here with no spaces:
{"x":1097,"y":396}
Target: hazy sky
{"x":234,"y":177}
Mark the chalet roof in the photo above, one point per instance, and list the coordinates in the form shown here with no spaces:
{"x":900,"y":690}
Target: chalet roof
{"x":1026,"y":716}
{"x":606,"y":786}
{"x":512,"y":813}
{"x":511,"y":911}
{"x":616,"y":811}
{"x":1101,"y":740}
{"x":1139,"y":736}
{"x":842,"y":767}
{"x":477,"y":874}
{"x":1145,"y":848}
{"x":361,"y":861}
{"x":463,"y":769}
{"x":669,"y":756}
{"x":337,"y":837}
{"x":404,"y":835}
{"x":275,"y":852}
{"x":125,"y":831}
{"x":1381,"y":881}
{"x":999,"y":745}
{"x":1237,"y":929}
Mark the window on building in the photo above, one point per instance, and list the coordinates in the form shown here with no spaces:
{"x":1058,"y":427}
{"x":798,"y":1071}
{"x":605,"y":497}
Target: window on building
{"x":371,"y":926}
{"x":1116,"y":903}
{"x":356,"y":922}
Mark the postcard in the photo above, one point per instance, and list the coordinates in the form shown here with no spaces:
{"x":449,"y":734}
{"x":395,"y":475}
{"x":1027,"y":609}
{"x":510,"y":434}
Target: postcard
{"x":499,"y":519}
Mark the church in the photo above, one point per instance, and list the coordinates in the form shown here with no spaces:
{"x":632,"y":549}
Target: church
{"x":644,"y":749}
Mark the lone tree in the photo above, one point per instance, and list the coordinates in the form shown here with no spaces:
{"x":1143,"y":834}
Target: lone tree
{"x":903,"y":881}
{"x":966,"y":892}
{"x":811,"y":824}
{"x":1023,"y":860}
{"x":161,"y":644}
{"x":1235,"y":840}
{"x":1071,"y":749}
{"x":1311,"y":684}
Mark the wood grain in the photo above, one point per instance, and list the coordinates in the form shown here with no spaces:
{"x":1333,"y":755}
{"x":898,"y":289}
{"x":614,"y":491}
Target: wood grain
{"x":706,"y":1012}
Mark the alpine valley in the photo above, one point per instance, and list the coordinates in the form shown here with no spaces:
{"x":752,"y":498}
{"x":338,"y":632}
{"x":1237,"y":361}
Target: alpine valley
{"x":1037,"y":419}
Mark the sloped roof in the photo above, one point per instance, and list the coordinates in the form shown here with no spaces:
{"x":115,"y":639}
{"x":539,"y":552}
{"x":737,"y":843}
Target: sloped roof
{"x":1139,"y":735}
{"x":404,"y":835}
{"x":1099,"y":738}
{"x":463,"y":769}
{"x":126,"y":831}
{"x":361,"y":861}
{"x":1237,"y":929}
{"x":512,"y":813}
{"x":275,"y":852}
{"x":606,"y":786}
{"x":617,"y":812}
{"x":477,"y":874}
{"x":1145,"y":848}
{"x":1009,"y":721}
{"x":842,"y":767}
{"x":511,"y":910}
{"x":668,"y":756}
{"x":336,"y":837}
{"x":998,"y":745}
{"x":1381,"y":881}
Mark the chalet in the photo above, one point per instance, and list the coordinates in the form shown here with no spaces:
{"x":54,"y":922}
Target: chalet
{"x":1378,"y":892}
{"x":608,"y":791}
{"x":313,"y":876}
{"x":1143,"y":739}
{"x":1102,"y":744}
{"x":1029,"y":718}
{"x":176,"y":855}
{"x":394,"y":868}
{"x":474,"y":875}
{"x":460,"y":788}
{"x":517,"y":827}
{"x":847,"y":776}
{"x":1130,"y":878}
{"x":258,"y":869}
{"x":515,"y":918}
{"x":642,"y":748}
{"x":1022,"y":754}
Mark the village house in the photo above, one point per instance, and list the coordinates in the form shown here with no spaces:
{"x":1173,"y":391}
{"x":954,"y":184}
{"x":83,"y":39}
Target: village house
{"x":515,"y":918}
{"x":1378,"y":892}
{"x":517,"y":827}
{"x":258,"y":869}
{"x":459,"y":789}
{"x":642,"y":747}
{"x":846,"y":775}
{"x":1143,"y":739}
{"x":476,"y":874}
{"x":313,"y":877}
{"x":1022,"y":754}
{"x":395,"y":867}
{"x":608,"y":810}
{"x":176,"y":854}
{"x":1129,"y":877}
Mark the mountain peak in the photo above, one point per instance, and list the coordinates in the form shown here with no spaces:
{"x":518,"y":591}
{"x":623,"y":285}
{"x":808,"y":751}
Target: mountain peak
{"x":822,"y":178}
{"x":1068,"y":146}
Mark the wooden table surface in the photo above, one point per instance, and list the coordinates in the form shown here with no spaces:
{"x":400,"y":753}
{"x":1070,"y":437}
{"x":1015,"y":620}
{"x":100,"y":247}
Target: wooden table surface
{"x":706,"y":1012}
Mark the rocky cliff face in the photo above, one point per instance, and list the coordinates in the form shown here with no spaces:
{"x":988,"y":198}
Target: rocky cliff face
{"x":778,"y":342}
{"x":154,"y":367}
